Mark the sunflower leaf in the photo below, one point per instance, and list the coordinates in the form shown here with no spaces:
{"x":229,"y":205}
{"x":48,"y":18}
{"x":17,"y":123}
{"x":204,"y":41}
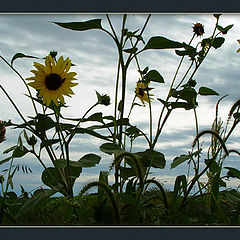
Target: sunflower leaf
{"x":89,"y":160}
{"x":21,"y":55}
{"x":154,"y":76}
{"x":204,"y":91}
{"x":110,"y":148}
{"x":81,"y":26}
{"x":162,"y":43}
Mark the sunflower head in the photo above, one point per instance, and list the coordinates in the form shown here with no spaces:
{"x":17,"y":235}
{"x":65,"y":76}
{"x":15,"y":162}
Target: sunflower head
{"x":141,"y":92}
{"x":198,"y":29}
{"x":53,"y":80}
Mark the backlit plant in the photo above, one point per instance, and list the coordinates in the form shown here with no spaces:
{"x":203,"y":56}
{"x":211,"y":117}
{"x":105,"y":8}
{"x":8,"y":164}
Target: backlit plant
{"x":129,"y":197}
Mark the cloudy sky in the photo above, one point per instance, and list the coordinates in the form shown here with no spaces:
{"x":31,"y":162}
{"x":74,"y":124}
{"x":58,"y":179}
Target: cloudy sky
{"x":95,"y":56}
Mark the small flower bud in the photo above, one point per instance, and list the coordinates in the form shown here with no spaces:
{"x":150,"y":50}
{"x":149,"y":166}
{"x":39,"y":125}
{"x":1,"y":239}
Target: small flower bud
{"x":32,"y":140}
{"x":104,"y":100}
{"x":53,"y":54}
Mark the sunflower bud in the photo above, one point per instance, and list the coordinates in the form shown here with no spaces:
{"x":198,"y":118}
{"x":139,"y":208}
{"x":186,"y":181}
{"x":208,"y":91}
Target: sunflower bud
{"x":104,"y":100}
{"x":53,"y":54}
{"x":198,"y":29}
{"x":32,"y":140}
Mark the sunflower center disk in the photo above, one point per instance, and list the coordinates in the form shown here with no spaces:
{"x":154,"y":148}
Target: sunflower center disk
{"x":141,"y":92}
{"x":53,"y":81}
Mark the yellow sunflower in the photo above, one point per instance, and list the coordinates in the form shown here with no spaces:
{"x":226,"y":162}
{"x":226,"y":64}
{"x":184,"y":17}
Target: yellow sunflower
{"x":53,"y":79}
{"x":141,"y":92}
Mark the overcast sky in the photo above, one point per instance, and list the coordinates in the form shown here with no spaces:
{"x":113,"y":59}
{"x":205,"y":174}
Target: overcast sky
{"x":95,"y":56}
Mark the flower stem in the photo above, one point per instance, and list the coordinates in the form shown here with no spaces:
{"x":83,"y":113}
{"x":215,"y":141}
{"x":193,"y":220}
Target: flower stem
{"x":34,"y":106}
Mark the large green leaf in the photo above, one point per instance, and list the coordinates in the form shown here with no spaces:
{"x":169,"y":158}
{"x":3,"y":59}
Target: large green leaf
{"x":95,"y":117}
{"x":89,"y":160}
{"x":204,"y":91}
{"x":178,"y":160}
{"x":81,"y":26}
{"x":155,"y":158}
{"x":20,"y":151}
{"x":154,"y":76}
{"x":233,"y":172}
{"x":225,"y":29}
{"x":111,"y":148}
{"x":216,"y":43}
{"x":189,"y":51}
{"x":51,"y":178}
{"x":184,"y":105}
{"x":213,"y":167}
{"x":187,"y":93}
{"x":182,"y":158}
{"x":133,"y":132}
{"x":125,"y":173}
{"x":44,"y":123}
{"x":159,"y":42}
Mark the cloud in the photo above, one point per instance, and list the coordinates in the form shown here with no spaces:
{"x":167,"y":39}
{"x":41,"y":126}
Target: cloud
{"x":95,"y":56}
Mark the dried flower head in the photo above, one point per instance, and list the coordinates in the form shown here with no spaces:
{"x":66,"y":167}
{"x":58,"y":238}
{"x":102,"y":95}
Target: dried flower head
{"x":198,"y":29}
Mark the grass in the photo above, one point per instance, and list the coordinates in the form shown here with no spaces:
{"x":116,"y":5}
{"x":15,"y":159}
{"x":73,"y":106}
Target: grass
{"x":59,"y":211}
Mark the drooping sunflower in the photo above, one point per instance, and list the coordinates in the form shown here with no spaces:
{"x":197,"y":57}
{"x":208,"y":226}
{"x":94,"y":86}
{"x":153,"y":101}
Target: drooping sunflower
{"x":141,"y":92}
{"x":53,"y":80}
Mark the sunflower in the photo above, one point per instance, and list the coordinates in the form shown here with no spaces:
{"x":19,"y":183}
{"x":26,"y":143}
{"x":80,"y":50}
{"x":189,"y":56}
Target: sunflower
{"x":198,"y":29}
{"x":53,"y":79}
{"x":141,"y":92}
